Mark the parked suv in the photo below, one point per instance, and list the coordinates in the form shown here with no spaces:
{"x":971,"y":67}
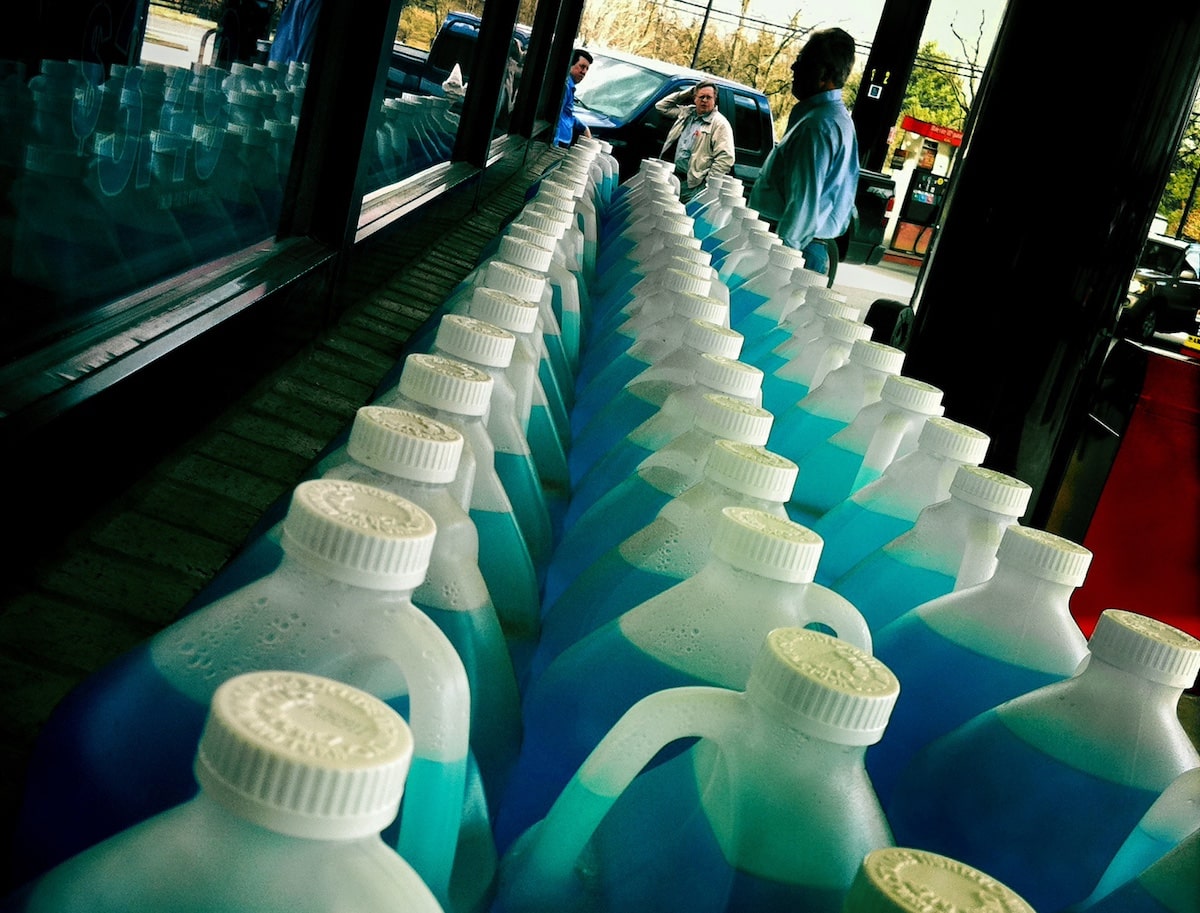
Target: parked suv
{"x":1164,"y":292}
{"x":616,"y":101}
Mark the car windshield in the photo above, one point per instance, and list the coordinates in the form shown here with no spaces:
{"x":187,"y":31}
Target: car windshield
{"x":1162,"y":258}
{"x":614,"y":87}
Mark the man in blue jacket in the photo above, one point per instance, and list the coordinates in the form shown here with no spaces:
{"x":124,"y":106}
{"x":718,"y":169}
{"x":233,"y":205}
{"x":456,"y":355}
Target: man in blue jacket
{"x":568,"y":124}
{"x":808,"y":183}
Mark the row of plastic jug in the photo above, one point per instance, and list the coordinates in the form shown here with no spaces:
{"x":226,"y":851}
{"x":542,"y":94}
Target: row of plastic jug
{"x":622,"y":700}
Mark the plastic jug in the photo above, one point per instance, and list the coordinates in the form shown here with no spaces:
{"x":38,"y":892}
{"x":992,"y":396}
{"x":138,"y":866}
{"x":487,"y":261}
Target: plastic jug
{"x":766,"y":317}
{"x":702,"y":630}
{"x":678,"y":251}
{"x":458,"y":394}
{"x":1151,"y":861}
{"x":783,"y":277}
{"x":878,"y":513}
{"x":952,"y":545}
{"x":750,"y":255}
{"x":643,"y":395}
{"x":802,"y":326}
{"x":769,"y":809}
{"x":994,"y":641}
{"x":830,"y":407}
{"x":118,"y":748}
{"x":666,"y":473}
{"x":489,"y":348}
{"x":1098,"y":749}
{"x":298,"y":774}
{"x":715,"y":374}
{"x":858,"y":454}
{"x":903,"y":880}
{"x":672,"y":547}
{"x":790,"y":381}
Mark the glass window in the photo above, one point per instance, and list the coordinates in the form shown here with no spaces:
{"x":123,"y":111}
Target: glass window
{"x":614,"y":87}
{"x":747,"y":122}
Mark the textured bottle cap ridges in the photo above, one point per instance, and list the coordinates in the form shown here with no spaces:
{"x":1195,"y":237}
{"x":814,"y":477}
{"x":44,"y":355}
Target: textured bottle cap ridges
{"x":804,"y":278}
{"x":556,"y":199}
{"x":696,"y":306}
{"x":515,"y":280}
{"x":820,"y":293}
{"x":476,"y":341}
{"x":728,"y":375}
{"x":542,"y":221}
{"x":542,"y":239}
{"x":824,"y":686}
{"x":990,"y":490}
{"x":787,"y":258}
{"x":445,"y":383}
{"x":524,"y":254}
{"x":1044,"y":555}
{"x":751,"y":469}
{"x":688,"y":247}
{"x":766,"y":545}
{"x":830,"y":310}
{"x":761,"y":237}
{"x":517,"y":315}
{"x":304,"y":755}
{"x":903,"y":880}
{"x":707,"y":336}
{"x":948,"y":438}
{"x":674,"y":223}
{"x":677,"y":280}
{"x":405,"y":444}
{"x":359,"y":534}
{"x":912,"y":394}
{"x":877,"y":356}
{"x":726,"y":417}
{"x":1146,"y":647}
{"x":847,"y":330}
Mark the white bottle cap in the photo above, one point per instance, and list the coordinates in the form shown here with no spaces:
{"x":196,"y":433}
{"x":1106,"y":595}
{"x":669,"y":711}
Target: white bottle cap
{"x":474,"y":340}
{"x":1146,"y":647}
{"x":540,"y":221}
{"x":515,"y":280}
{"x":730,"y":376}
{"x":752,"y":470}
{"x":787,"y":258}
{"x":517,"y":315}
{"x":990,"y":490}
{"x":909,"y":393}
{"x":673,"y":223}
{"x":524,"y":254}
{"x":804,"y":278}
{"x":445,"y":383}
{"x":687,"y":246}
{"x":876,"y":356}
{"x":830,"y":309}
{"x":819,"y":292}
{"x":700,"y":307}
{"x":766,"y":545}
{"x":304,"y":755}
{"x":676,"y":280}
{"x":902,"y":880}
{"x":707,"y":336}
{"x":1044,"y":555}
{"x":405,"y":444}
{"x":726,"y":417}
{"x":954,"y":440}
{"x":359,"y":534}
{"x":760,"y":237}
{"x":844,"y":330}
{"x":542,"y":239}
{"x":823,"y":686}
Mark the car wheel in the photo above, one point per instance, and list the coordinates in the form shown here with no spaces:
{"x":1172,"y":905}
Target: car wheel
{"x":1147,"y":324}
{"x":891,"y":322}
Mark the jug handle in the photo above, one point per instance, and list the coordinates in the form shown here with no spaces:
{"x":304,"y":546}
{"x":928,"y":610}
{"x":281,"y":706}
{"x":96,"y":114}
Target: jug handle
{"x":655,"y":721}
{"x":839,"y":614}
{"x":440,"y":719}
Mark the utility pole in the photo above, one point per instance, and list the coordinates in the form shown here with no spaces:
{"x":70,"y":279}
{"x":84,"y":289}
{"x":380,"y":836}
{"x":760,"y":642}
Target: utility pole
{"x":700,"y":37}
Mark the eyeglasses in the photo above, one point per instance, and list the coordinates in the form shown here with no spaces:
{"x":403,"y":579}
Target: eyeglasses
{"x":706,"y":98}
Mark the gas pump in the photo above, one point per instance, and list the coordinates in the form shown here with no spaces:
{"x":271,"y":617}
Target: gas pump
{"x":919,"y":211}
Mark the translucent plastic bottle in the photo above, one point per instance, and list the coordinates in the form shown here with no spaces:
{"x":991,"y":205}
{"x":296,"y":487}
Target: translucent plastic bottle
{"x":789,"y":383}
{"x":1097,"y":749}
{"x":748,"y":257}
{"x":669,"y":471}
{"x":671,"y":548}
{"x":768,"y":807}
{"x":564,"y":284}
{"x":298,"y":774}
{"x":903,"y":880}
{"x":458,"y":394}
{"x":776,"y":283}
{"x":989,"y":643}
{"x":830,"y":407}
{"x":677,"y":415}
{"x":951,"y":546}
{"x":119,"y":747}
{"x":659,"y":216}
{"x":803,"y":325}
{"x":643,"y":395}
{"x":489,"y":348}
{"x":858,"y":454}
{"x":1156,"y":866}
{"x":878,"y":513}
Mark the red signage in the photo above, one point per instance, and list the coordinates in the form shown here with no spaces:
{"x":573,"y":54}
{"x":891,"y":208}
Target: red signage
{"x":932,"y":131}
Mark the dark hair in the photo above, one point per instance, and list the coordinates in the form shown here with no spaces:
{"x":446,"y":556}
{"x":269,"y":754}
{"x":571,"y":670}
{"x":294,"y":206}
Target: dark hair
{"x":580,"y":52}
{"x":831,"y":53}
{"x":705,"y":84}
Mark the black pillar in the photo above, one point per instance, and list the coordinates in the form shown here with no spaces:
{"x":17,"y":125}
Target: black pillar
{"x":528,"y":106}
{"x":484,"y":82}
{"x":1061,"y":168}
{"x":885,"y":77}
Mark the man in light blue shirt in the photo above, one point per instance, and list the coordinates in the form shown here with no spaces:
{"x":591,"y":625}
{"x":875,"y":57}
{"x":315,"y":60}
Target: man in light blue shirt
{"x":568,"y":124}
{"x":808,"y":183}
